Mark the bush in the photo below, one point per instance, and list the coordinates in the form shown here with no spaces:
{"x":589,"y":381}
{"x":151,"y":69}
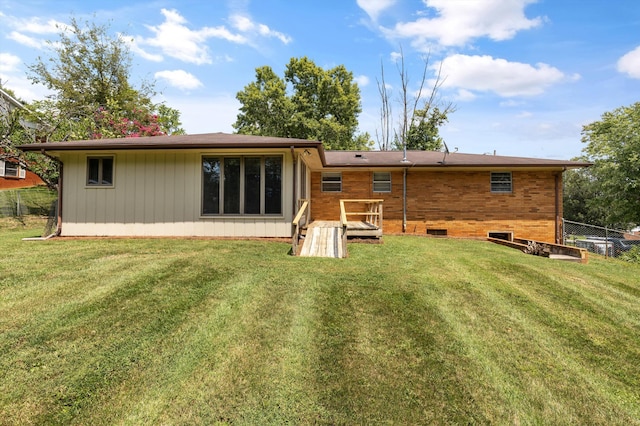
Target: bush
{"x":632,"y":255}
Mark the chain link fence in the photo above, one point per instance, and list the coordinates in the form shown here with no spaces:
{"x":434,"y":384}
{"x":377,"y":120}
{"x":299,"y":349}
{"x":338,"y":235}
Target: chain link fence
{"x":26,"y":201}
{"x":596,"y":239}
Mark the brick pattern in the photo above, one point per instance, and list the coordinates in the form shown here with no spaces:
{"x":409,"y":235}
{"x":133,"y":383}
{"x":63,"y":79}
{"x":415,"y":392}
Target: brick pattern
{"x":31,"y":179}
{"x":459,"y":202}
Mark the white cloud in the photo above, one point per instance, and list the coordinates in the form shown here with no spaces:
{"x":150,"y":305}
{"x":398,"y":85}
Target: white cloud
{"x":179,"y":78}
{"x":374,"y":7}
{"x":134,"y":45}
{"x":25,"y":40}
{"x":458,"y":22}
{"x":9,"y":62}
{"x":630,"y":63}
{"x":488,"y":74}
{"x":246,"y":25}
{"x":362,"y":80}
{"x":465,"y":95}
{"x":175,"y":39}
{"x":37,"y":26}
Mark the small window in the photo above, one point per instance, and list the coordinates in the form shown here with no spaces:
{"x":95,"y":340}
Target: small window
{"x":100,"y":171}
{"x":332,"y":182}
{"x":501,"y":235}
{"x":11,"y":170}
{"x":381,"y":182}
{"x":501,"y":182}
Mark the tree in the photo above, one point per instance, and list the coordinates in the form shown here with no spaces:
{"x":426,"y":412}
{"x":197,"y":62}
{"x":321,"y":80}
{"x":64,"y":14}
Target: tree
{"x":613,"y":145}
{"x":420,"y":117}
{"x":88,"y":71}
{"x":307,"y":103}
{"x":581,"y":197}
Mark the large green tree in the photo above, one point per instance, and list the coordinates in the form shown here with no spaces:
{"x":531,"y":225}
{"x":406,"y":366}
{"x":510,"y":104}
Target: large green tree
{"x":613,"y":182}
{"x":309,"y":102}
{"x":88,"y":71}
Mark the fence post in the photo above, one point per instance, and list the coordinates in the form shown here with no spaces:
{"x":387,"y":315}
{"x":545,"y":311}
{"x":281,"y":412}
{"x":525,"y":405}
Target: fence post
{"x":18,"y":210}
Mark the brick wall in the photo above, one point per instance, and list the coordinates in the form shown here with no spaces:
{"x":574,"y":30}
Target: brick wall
{"x":459,"y":202}
{"x":31,"y":179}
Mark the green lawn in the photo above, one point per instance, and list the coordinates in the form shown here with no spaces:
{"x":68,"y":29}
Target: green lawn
{"x":412,"y":331}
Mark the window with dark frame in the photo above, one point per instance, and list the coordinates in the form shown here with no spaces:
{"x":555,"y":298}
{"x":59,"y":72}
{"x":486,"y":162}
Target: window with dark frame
{"x":501,"y":182}
{"x":331,"y":182}
{"x":381,"y":182}
{"x":100,"y":171}
{"x":250,"y":185}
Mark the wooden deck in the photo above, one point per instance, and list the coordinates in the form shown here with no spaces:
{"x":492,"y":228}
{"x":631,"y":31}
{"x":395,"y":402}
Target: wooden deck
{"x":323,"y":237}
{"x":329,"y":238}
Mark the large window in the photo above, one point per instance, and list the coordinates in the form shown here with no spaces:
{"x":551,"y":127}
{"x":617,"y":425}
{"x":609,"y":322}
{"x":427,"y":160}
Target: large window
{"x":331,"y":182}
{"x":100,"y":171}
{"x":248,"y":185}
{"x":501,"y":182}
{"x":381,"y":182}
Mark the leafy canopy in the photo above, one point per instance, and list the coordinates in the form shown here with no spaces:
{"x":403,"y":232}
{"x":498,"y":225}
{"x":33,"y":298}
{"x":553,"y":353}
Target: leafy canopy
{"x":613,"y":182}
{"x":309,"y":102}
{"x":88,"y":72}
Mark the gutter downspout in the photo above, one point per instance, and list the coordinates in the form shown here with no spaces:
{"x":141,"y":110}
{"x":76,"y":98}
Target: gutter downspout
{"x":59,"y":189}
{"x":404,"y":200}
{"x":59,"y":227}
{"x":295,"y":179}
{"x":558,"y":219}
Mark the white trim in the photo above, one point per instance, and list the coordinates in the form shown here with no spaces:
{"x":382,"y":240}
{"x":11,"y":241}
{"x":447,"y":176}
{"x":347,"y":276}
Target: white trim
{"x":1,"y":168}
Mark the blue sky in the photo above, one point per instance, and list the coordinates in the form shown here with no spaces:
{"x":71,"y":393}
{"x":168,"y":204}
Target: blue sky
{"x":525,"y":75}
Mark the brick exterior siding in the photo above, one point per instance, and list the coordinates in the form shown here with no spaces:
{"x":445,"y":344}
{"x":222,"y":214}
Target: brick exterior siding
{"x":31,"y":179}
{"x":459,"y":202}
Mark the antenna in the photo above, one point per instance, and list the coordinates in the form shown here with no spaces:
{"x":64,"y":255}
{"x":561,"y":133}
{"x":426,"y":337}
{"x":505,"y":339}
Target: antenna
{"x":446,"y":152}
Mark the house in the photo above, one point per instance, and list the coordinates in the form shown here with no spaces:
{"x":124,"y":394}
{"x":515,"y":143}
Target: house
{"x":14,"y":174}
{"x":250,"y":186}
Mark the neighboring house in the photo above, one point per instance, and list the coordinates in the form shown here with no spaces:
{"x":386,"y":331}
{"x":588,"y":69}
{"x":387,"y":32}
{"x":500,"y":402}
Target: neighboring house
{"x":13,"y":174}
{"x":250,"y":186}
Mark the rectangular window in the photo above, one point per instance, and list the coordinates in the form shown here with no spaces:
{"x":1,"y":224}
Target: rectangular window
{"x":242,"y":185}
{"x":211,"y":185}
{"x":501,"y":182}
{"x":11,"y":170}
{"x":273,"y":185}
{"x":381,"y":182}
{"x":100,"y":171}
{"x":252,"y":178}
{"x":331,"y":182}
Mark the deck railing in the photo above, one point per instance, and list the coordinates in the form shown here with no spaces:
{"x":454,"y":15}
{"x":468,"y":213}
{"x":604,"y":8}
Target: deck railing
{"x":298,"y":224}
{"x":371,"y":211}
{"x":344,"y":223}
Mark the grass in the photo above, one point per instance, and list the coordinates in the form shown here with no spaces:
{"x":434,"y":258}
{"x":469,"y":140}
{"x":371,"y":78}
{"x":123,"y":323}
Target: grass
{"x":416,"y":330}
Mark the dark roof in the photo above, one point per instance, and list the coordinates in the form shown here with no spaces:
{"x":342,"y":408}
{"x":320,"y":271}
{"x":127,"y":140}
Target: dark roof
{"x":206,"y":140}
{"x":334,"y":159}
{"x":436,"y":159}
